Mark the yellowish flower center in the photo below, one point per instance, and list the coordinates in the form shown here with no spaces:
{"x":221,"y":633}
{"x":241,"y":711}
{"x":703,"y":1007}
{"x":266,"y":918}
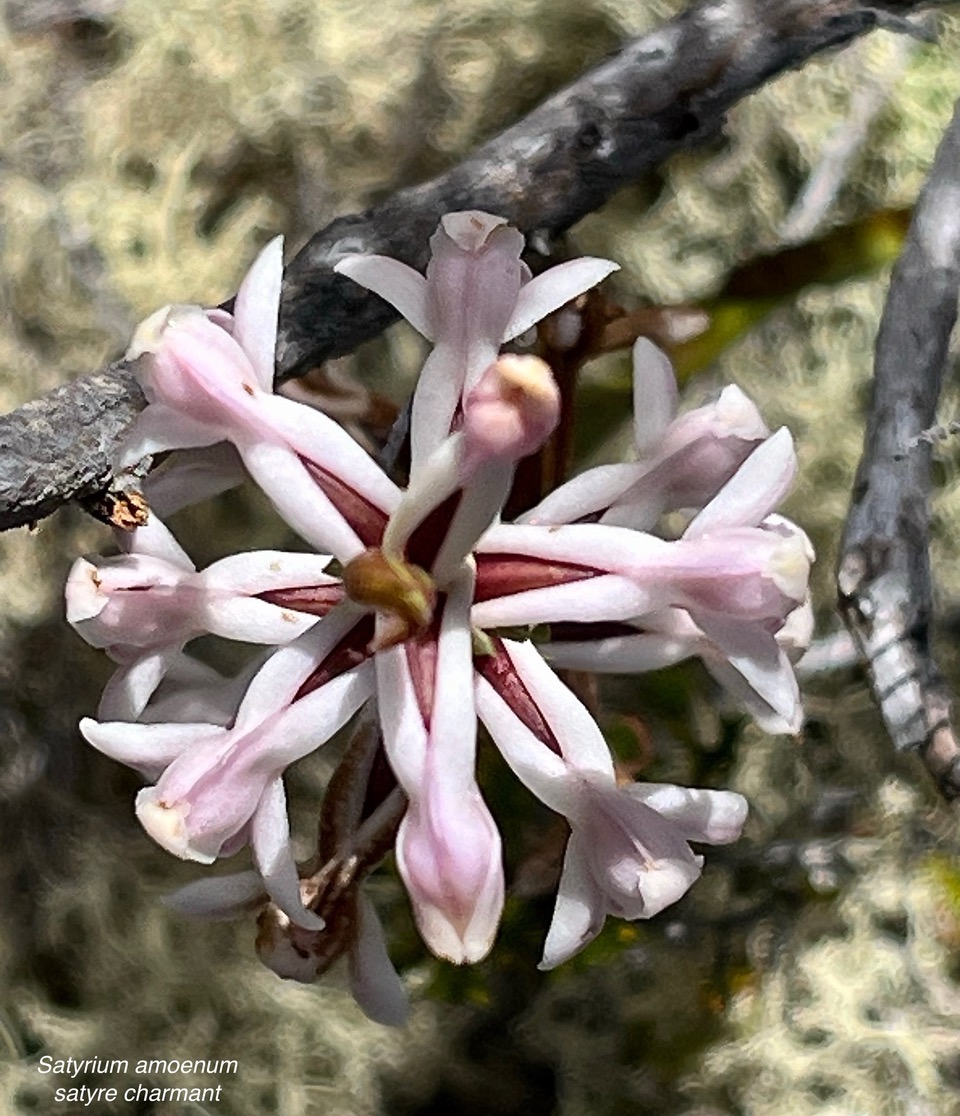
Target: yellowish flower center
{"x":405,"y":593}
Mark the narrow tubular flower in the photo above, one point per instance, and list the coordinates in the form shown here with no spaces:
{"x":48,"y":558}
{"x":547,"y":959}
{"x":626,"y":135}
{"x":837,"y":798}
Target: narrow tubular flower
{"x":724,"y":591}
{"x":208,"y":379}
{"x":448,"y":847}
{"x":143,"y":606}
{"x":477,"y":294}
{"x":682,"y":462}
{"x":217,"y":788}
{"x":357,"y":826}
{"x":628,"y":853}
{"x":751,"y":655}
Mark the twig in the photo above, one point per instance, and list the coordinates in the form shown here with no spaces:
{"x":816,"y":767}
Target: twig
{"x":841,"y":147}
{"x":667,"y":91}
{"x":885,"y":583}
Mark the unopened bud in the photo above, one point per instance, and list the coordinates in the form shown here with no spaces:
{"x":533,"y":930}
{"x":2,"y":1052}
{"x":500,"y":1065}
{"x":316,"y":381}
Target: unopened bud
{"x":513,"y":409}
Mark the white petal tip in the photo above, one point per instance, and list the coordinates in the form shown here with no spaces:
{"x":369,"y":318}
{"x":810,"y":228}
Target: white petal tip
{"x":346,"y":265}
{"x":84,"y":594}
{"x":147,"y":335}
{"x":446,"y":941}
{"x":307,"y":919}
{"x":167,"y":826}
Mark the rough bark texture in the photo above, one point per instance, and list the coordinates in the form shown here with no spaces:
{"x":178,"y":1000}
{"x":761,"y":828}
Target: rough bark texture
{"x":885,"y":582}
{"x":664,"y":92}
{"x":61,"y":447}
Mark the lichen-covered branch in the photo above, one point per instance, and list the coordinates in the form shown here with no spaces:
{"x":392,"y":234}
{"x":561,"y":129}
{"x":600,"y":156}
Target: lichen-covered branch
{"x":664,"y":92}
{"x":886,"y":590}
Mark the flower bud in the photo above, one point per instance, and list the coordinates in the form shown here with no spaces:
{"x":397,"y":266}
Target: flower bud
{"x":513,"y":409}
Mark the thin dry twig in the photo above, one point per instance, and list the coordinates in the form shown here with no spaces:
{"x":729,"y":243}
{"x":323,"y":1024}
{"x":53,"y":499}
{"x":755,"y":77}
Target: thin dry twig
{"x":667,"y":91}
{"x":842,"y":147}
{"x":884,"y":578}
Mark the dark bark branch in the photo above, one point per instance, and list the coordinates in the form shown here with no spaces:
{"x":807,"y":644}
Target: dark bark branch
{"x":664,"y":92}
{"x":61,"y":447}
{"x":885,"y":582}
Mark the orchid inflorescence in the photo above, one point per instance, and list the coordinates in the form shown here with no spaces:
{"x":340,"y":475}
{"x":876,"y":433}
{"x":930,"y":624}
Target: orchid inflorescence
{"x":416,"y":617}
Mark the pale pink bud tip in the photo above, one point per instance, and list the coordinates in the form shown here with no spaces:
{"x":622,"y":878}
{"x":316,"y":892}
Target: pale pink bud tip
{"x":167,"y":825}
{"x":789,"y":566}
{"x":513,"y":409}
{"x":148,"y":336}
{"x":470,"y":229}
{"x":85,"y":596}
{"x":739,"y":416}
{"x":453,"y":941}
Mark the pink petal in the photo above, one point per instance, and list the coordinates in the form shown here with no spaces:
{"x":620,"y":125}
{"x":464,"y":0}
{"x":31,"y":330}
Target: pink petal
{"x":302,"y":727}
{"x":252,"y":621}
{"x":437,"y":396}
{"x":190,"y":476}
{"x":401,"y":286}
{"x":482,"y":502}
{"x":580,"y":910}
{"x":755,"y":655}
{"x":147,"y":748}
{"x":155,"y":540}
{"x":273,"y":856}
{"x":554,"y":288}
{"x":590,"y":545}
{"x":159,"y":428}
{"x":784,"y":719}
{"x":606,"y":597}
{"x":591,"y":491}
{"x":373,"y":980}
{"x":292,"y":491}
{"x":318,"y":439}
{"x":218,"y":898}
{"x":130,"y":687}
{"x":580,"y":740}
{"x":433,"y":482}
{"x":257,"y":571}
{"x":194,"y":692}
{"x":453,"y":725}
{"x":256,"y":309}
{"x":626,"y":654}
{"x":539,"y":768}
{"x":654,"y":394}
{"x":713,"y":817}
{"x":753,"y":491}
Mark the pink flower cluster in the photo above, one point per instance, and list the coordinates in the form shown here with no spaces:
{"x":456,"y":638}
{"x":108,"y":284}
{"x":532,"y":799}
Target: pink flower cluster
{"x":404,"y":615}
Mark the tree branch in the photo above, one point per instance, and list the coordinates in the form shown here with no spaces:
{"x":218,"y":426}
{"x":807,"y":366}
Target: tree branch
{"x":665,"y":92}
{"x":884,"y":578}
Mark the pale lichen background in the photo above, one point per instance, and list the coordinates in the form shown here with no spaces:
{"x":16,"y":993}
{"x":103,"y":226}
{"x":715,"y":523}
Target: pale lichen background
{"x":146,"y":152}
